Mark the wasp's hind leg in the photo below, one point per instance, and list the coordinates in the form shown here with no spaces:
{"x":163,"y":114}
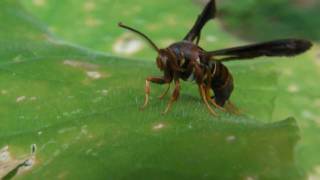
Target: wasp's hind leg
{"x":204,"y":97}
{"x":211,"y":100}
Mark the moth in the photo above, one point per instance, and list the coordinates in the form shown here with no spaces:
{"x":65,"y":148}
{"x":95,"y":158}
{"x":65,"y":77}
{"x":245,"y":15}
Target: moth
{"x":186,"y":60}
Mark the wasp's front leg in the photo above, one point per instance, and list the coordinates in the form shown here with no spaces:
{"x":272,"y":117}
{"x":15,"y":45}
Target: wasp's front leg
{"x":174,"y":97}
{"x":157,"y":80}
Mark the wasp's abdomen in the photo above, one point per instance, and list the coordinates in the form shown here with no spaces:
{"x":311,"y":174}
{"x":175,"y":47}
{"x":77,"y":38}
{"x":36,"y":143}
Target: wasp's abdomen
{"x":221,"y":83}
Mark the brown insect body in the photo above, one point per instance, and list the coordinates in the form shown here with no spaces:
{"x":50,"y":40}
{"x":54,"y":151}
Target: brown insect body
{"x":187,"y":61}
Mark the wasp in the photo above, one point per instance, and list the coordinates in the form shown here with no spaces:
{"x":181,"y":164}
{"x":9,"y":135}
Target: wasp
{"x":186,"y":60}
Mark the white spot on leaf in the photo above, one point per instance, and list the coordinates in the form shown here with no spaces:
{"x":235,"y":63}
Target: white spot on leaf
{"x":4,"y":92}
{"x":104,"y":92}
{"x":8,"y":163}
{"x":307,"y":114}
{"x":293,"y":88}
{"x":79,"y":64}
{"x":33,"y":98}
{"x":94,"y":74}
{"x":211,"y":38}
{"x":20,"y":99}
{"x":39,"y":2}
{"x":127,"y":45}
{"x":158,"y":126}
{"x":230,"y":138}
{"x":89,"y":6}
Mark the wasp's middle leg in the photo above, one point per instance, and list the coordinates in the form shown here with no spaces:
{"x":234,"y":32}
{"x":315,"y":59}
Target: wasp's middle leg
{"x":174,"y":97}
{"x":165,"y":92}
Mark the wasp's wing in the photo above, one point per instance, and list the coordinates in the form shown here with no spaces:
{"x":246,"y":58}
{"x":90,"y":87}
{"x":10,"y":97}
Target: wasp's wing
{"x":285,"y":47}
{"x":208,"y":13}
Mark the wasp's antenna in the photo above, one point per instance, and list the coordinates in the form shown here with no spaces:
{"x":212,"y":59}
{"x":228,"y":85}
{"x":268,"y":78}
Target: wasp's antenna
{"x":140,"y":33}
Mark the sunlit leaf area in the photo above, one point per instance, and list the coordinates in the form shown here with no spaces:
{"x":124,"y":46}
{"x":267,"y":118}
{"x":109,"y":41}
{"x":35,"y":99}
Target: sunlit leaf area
{"x":72,"y":82}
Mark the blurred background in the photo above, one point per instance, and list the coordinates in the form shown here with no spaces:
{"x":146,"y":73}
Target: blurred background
{"x":68,"y":73}
{"x":93,"y":23}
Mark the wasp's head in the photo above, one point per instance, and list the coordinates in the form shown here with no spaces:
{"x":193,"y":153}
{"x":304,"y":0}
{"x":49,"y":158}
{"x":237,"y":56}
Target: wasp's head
{"x":162,"y":59}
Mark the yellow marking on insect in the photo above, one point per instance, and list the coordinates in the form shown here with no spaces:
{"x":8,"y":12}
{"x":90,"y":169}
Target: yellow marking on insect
{"x":198,"y":60}
{"x":183,"y":60}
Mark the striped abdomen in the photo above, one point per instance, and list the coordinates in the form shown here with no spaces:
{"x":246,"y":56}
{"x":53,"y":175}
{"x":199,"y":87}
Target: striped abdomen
{"x":221,"y":83}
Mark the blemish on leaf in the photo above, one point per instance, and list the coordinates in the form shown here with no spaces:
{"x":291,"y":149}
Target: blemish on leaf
{"x":10,"y":166}
{"x":293,"y":88}
{"x":84,"y":129}
{"x":88,"y":151}
{"x":153,"y":26}
{"x":56,"y":153}
{"x":307,"y":114}
{"x":63,"y":175}
{"x":287,"y":71}
{"x":79,"y":64}
{"x":96,"y":100}
{"x":158,"y":126}
{"x":89,"y":6}
{"x":211,"y":38}
{"x":92,"y":22}
{"x":94,"y":74}
{"x":62,"y":131}
{"x":127,"y":45}
{"x":250,"y":178}
{"x":104,"y":92}
{"x":39,"y":3}
{"x":231,"y":138}
{"x":33,"y":98}
{"x":4,"y":154}
{"x":4,"y":92}
{"x":317,"y":103}
{"x":315,"y":174}
{"x":20,"y":99}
